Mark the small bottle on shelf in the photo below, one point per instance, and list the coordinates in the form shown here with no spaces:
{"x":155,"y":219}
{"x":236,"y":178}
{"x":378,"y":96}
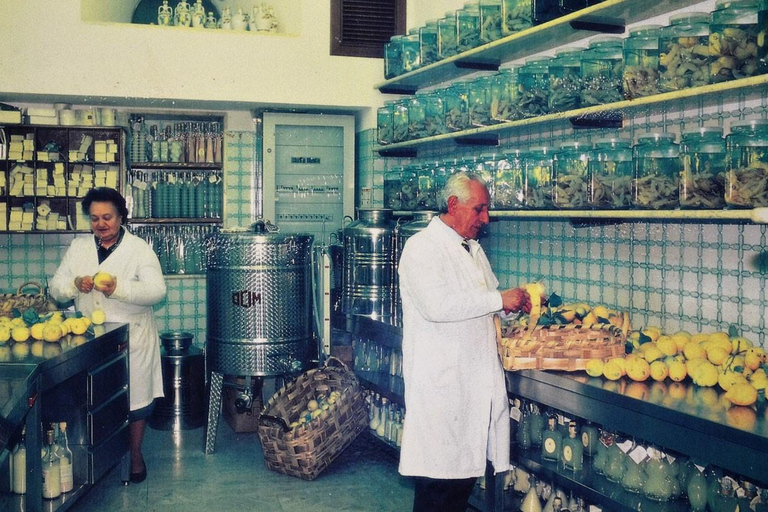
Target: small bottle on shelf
{"x":551,"y":441}
{"x":20,"y":465}
{"x":51,"y":469}
{"x":573,"y":451}
{"x":65,"y":459}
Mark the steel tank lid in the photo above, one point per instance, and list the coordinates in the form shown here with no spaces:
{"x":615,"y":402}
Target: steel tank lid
{"x":261,"y":232}
{"x":371,"y":220}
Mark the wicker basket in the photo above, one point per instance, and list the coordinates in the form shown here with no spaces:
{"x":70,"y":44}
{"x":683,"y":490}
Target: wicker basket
{"x":23,"y":301}
{"x":558,"y":347}
{"x":306,"y":450}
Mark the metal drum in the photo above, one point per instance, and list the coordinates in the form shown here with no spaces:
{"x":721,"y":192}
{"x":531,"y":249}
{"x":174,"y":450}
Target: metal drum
{"x":259,"y":302}
{"x":421,"y":220}
{"x":369,"y":265}
{"x":183,"y":367}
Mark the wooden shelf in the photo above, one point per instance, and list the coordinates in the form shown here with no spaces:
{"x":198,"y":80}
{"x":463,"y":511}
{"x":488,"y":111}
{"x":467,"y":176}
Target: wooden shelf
{"x":621,"y":107}
{"x":552,"y":34}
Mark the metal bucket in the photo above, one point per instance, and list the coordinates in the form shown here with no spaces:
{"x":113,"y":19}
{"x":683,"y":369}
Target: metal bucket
{"x":369,"y":265}
{"x":259,"y":302}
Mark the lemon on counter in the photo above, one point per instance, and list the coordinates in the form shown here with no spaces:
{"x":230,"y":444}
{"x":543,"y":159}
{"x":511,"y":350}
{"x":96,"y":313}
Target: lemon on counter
{"x":754,"y":358}
{"x":36,"y":331}
{"x":740,"y":344}
{"x":98,"y":317}
{"x":638,"y":369}
{"x":652,"y":353}
{"x":678,"y":371}
{"x":612,"y":370}
{"x":693,"y":350}
{"x":78,"y":326}
{"x":667,"y":345}
{"x":717,"y":355}
{"x":594,"y":368}
{"x":705,"y":375}
{"x":659,"y":371}
{"x":20,"y":333}
{"x":728,"y":379}
{"x":52,"y":332}
{"x":742,"y":394}
{"x":5,"y":334}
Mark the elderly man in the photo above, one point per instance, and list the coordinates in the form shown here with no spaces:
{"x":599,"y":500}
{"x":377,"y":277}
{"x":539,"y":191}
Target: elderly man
{"x":457,"y":414}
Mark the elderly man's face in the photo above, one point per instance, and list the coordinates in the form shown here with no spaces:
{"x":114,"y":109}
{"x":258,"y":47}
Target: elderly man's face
{"x":467,"y":219}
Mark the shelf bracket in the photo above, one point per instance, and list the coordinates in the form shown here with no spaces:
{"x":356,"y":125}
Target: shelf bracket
{"x":482,"y":139}
{"x":398,"y":89}
{"x":398,"y":152}
{"x":599,"y":24}
{"x":614,"y":119}
{"x":477,"y":64}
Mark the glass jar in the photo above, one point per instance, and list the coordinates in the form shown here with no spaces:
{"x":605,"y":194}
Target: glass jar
{"x":409,"y":188}
{"x":537,"y":178}
{"x":746,"y":183}
{"x":411,"y":51}
{"x":508,"y":182}
{"x":657,"y":172}
{"x":684,"y":52}
{"x":468,"y":27}
{"x":428,"y":43}
{"x":504,"y":96}
{"x":392,"y":188}
{"x":417,"y":120}
{"x":610,"y":174}
{"x":565,"y":80}
{"x":442,"y":173}
{"x":400,"y":120}
{"x":456,"y":107}
{"x":479,"y":101}
{"x":490,"y":20}
{"x":641,"y":62}
{"x":384,"y":127}
{"x":434,"y":112}
{"x":446,"y":36}
{"x":601,"y":71}
{"x":737,"y":39}
{"x":702,"y":179}
{"x":487,"y":170}
{"x":516,"y":16}
{"x":427,"y":190}
{"x":569,"y":176}
{"x":393,"y":57}
{"x":533,"y":99}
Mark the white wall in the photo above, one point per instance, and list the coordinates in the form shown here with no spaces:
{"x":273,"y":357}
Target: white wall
{"x":47,"y":53}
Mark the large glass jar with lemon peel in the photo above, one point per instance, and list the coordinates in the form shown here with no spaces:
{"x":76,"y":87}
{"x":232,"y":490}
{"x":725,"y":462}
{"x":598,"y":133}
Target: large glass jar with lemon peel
{"x":446,"y":36}
{"x":601,"y":71}
{"x":746,"y":184}
{"x":684,"y":52}
{"x":610,"y":174}
{"x":504,"y":93}
{"x":565,"y":80}
{"x":641,"y":62}
{"x":569,"y":175}
{"x":384,"y":128}
{"x":702,"y":153}
{"x":537,"y":178}
{"x":657,"y":172}
{"x":392,"y":180}
{"x":737,"y":40}
{"x":428,"y":43}
{"x":508,"y":181}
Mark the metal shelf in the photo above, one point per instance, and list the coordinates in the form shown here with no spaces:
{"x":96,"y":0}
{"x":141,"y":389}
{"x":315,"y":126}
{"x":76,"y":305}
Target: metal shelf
{"x":179,"y":220}
{"x":135,"y":166}
{"x":578,"y":114}
{"x":552,"y":34}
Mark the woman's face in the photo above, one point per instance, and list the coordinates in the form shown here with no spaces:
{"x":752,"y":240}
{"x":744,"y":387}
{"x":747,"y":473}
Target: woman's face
{"x":105,"y":222}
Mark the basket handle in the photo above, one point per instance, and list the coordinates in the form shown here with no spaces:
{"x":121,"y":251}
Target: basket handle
{"x":337,"y":362}
{"x":30,"y":283}
{"x":275,"y":421}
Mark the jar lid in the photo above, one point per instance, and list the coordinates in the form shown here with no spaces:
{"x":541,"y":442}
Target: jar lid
{"x":755,"y":124}
{"x":514,"y":153}
{"x":689,"y":18}
{"x":615,"y":141}
{"x":571,"y":50}
{"x":572,"y":144}
{"x":545,"y":150}
{"x":645,"y":30}
{"x":508,"y":70}
{"x":738,"y":4}
{"x":704,"y":130}
{"x":603,"y":41}
{"x":538,"y":60}
{"x":657,"y":136}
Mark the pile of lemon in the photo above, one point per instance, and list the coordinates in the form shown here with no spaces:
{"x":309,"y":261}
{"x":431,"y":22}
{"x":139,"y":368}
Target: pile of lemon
{"x":709,"y":359}
{"x":51,"y":328}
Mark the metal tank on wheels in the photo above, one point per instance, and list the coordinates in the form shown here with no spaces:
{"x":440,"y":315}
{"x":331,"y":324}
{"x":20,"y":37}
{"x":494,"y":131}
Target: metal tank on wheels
{"x":259,"y":300}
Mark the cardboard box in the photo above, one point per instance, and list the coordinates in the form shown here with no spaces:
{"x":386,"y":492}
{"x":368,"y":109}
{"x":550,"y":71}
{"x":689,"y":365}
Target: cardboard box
{"x":240,"y":423}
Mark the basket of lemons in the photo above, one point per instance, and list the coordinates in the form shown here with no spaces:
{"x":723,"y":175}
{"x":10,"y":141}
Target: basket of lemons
{"x":22,"y":301}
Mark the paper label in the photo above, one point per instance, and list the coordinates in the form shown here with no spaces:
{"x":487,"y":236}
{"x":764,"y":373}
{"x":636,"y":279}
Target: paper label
{"x":515,"y":413}
{"x":700,"y":468}
{"x":639,"y":454}
{"x":671,"y":459}
{"x":625,"y":446}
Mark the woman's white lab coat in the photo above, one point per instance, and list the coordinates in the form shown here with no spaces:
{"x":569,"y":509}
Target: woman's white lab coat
{"x":140,"y":285}
{"x":457,"y":412}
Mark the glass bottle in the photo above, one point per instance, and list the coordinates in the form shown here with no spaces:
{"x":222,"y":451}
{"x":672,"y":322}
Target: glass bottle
{"x":392,"y":189}
{"x":400,"y":120}
{"x":641,"y":62}
{"x":610,"y":174}
{"x":747,"y":164}
{"x":565,"y":80}
{"x":384,"y":128}
{"x":393,"y":57}
{"x":684,"y":52}
{"x":381,"y":428}
{"x":537,"y":425}
{"x":490,"y":20}
{"x":725,"y":501}
{"x":516,"y":16}
{"x":590,"y":438}
{"x":658,"y":485}
{"x":601,"y":71}
{"x":468,"y":27}
{"x":524,"y":428}
{"x":601,"y":452}
{"x":657,"y":172}
{"x":551,"y":441}
{"x":697,"y":491}
{"x":417,"y":120}
{"x":20,"y":465}
{"x":702,"y":179}
{"x":446,"y":36}
{"x":634,"y":473}
{"x":533,"y":99}
{"x":411,"y":53}
{"x":409,"y":189}
{"x":479,"y":101}
{"x":51,"y":469}
{"x":375,"y":418}
{"x":569,"y":176}
{"x":537,"y":178}
{"x":456,"y":107}
{"x":737,"y":42}
{"x":427,"y":199}
{"x":508,"y":182}
{"x":504,"y":93}
{"x":428,"y":43}
{"x":65,"y":458}
{"x":573,"y":451}
{"x":614,"y":464}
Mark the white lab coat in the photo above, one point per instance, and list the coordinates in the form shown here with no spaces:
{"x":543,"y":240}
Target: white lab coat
{"x":140,"y":285}
{"x":457,"y":413}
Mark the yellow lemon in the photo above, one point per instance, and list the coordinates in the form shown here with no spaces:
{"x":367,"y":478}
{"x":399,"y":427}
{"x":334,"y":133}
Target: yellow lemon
{"x":705,"y":375}
{"x":4,"y":320}
{"x":78,"y":326}
{"x":638,"y":369}
{"x":693,"y":350}
{"x":621,"y":363}
{"x":659,"y":371}
{"x":86,"y":320}
{"x":5,"y":334}
{"x":719,"y":336}
{"x":36,"y":331}
{"x":678,"y":371}
{"x":652,"y":332}
{"x":52,"y":332}
{"x":754,"y":358}
{"x":18,"y":322}
{"x":759,"y":383}
{"x":102,"y":280}
{"x":727,"y":380}
{"x":20,"y":334}
{"x":611,"y":370}
{"x":742,"y":394}
{"x":589,"y":320}
{"x":681,"y":339}
{"x":601,"y":311}
{"x":758,"y":374}
{"x":699,"y":337}
{"x":594,"y":368}
{"x":56,"y":318}
{"x":667,"y":345}
{"x":717,"y":355}
{"x":312,"y":405}
{"x":98,"y":317}
{"x":740,"y":344}
{"x":653,"y":353}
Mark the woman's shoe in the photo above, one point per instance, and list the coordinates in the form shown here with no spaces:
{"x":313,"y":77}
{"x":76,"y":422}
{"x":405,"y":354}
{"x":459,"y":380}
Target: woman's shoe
{"x":137,"y":478}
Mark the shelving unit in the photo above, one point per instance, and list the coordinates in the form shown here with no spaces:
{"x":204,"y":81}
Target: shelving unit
{"x":607,"y":16}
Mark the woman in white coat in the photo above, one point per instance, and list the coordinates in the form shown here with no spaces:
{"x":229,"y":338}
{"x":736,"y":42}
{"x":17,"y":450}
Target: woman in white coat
{"x":137,"y":285}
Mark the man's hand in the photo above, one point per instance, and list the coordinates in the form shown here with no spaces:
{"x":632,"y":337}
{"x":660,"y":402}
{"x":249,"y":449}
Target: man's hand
{"x":515,"y":299}
{"x":84,"y":284}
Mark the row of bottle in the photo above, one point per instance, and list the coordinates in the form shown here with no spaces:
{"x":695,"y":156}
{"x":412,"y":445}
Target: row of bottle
{"x":385,"y":418}
{"x":57,"y":461}
{"x":370,"y":356}
{"x":527,"y":493}
{"x":184,"y":142}
{"x":637,"y":468}
{"x":479,"y":22}
{"x":165,"y":194}
{"x":180,"y":249}
{"x":704,"y":171}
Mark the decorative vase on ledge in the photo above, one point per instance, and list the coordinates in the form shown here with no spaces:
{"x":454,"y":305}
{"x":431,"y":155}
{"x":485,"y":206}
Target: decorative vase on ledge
{"x":147,"y":11}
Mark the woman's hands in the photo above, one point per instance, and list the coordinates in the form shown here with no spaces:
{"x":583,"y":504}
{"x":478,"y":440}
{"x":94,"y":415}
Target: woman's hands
{"x":85,"y":285}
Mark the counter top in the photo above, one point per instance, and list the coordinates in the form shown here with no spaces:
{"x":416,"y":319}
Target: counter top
{"x":21,"y":364}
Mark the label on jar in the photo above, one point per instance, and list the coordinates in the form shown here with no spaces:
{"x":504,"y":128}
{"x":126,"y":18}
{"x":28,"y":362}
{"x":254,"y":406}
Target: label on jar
{"x":639,"y":454}
{"x":567,"y":453}
{"x":515,"y":414}
{"x":550,"y":445}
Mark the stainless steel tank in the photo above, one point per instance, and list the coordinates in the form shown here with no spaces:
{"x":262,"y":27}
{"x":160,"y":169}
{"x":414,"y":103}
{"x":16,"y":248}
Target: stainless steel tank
{"x":259,"y":302}
{"x":420,"y":220}
{"x":369,"y":265}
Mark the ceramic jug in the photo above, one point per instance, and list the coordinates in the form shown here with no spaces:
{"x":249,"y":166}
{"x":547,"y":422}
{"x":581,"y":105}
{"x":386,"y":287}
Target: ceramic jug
{"x":182,"y":15}
{"x":226,"y":19}
{"x":239,"y":20}
{"x":164,"y":14}
{"x":198,"y":14}
{"x":210,"y":21}
{"x":263,"y":19}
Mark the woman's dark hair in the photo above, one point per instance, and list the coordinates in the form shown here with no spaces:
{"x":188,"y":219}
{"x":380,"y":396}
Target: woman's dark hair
{"x":105,"y":195}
